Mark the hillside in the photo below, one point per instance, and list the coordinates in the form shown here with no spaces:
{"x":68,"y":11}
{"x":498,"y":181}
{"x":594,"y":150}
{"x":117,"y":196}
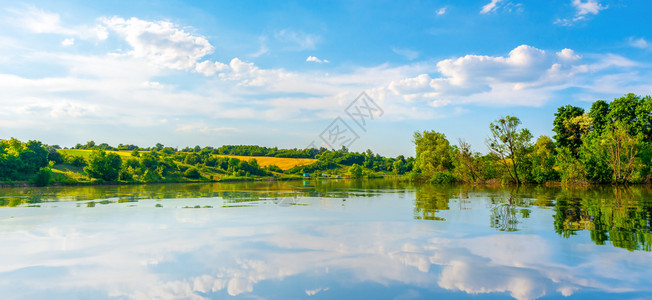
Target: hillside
{"x":281,"y":162}
{"x":263,"y":161}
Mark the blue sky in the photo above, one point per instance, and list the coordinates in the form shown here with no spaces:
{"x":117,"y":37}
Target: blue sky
{"x":278,"y":73}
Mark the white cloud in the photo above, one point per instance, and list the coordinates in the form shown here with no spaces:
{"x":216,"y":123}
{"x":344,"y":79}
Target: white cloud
{"x":407,"y":53}
{"x":640,"y":43}
{"x":441,"y":11}
{"x":68,"y":42}
{"x":161,"y":42}
{"x":590,"y":7}
{"x":582,"y":9}
{"x":317,"y":60}
{"x":206,"y":129}
{"x":527,"y":76}
{"x":568,"y":55}
{"x":315,"y":291}
{"x":297,"y":40}
{"x":490,"y":7}
{"x":209,"y":68}
{"x":40,"y":21}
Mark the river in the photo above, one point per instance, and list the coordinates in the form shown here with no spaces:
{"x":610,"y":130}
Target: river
{"x":328,"y":239}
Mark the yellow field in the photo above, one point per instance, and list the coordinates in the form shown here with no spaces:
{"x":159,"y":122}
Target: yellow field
{"x":281,"y":162}
{"x":263,"y":161}
{"x":87,"y":153}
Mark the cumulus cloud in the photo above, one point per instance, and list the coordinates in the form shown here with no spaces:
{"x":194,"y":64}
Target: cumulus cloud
{"x":441,"y":11}
{"x":588,"y":7}
{"x":568,"y":55}
{"x":582,"y":10}
{"x":471,"y":75}
{"x":317,"y":60}
{"x":490,"y":7}
{"x":68,"y":42}
{"x":161,"y":42}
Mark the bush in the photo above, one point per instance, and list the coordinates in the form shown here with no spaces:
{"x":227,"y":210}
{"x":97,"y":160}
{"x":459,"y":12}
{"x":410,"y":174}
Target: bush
{"x":103,"y":165}
{"x":55,"y":156}
{"x":442,"y":177}
{"x":274,"y":168}
{"x":76,"y":161}
{"x":356,"y":171}
{"x":42,"y":177}
{"x":192,"y":173}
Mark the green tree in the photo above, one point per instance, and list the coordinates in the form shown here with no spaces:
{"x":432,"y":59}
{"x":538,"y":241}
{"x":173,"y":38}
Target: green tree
{"x":591,"y":158}
{"x":624,"y":109}
{"x":356,"y":171}
{"x":192,"y":173}
{"x":399,"y":165}
{"x":509,"y":144}
{"x":433,"y":153}
{"x":566,"y":133}
{"x":543,"y":160}
{"x":571,"y":170}
{"x":42,"y":177}
{"x":103,"y":165}
{"x":467,"y":163}
{"x":620,"y":150}
{"x":599,"y":113}
{"x":644,"y":118}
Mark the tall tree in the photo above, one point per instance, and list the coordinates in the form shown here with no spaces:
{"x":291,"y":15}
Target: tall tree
{"x":103,"y":165}
{"x":599,"y":113}
{"x":467,"y":163}
{"x":565,"y":135}
{"x":624,"y":109}
{"x":644,"y":118}
{"x":509,"y":144}
{"x":433,"y":152}
{"x":620,"y":151}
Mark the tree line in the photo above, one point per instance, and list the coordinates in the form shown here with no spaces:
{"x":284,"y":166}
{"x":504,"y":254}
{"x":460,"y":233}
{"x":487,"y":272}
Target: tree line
{"x":611,"y":143}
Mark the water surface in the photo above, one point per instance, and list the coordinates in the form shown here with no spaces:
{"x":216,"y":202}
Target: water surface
{"x":372,"y":239}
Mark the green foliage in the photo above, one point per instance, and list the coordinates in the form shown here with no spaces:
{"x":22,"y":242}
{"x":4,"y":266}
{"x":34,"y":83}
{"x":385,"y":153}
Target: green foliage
{"x":619,"y":150}
{"x":433,"y":153}
{"x":569,"y":167}
{"x":567,"y":134}
{"x":42,"y":177}
{"x":76,"y":161}
{"x":542,"y":161}
{"x":509,"y":144}
{"x":599,"y":113}
{"x":591,"y":156}
{"x":355,"y":171}
{"x":55,"y":156}
{"x":467,"y":164}
{"x":19,"y":161}
{"x":443,"y":177}
{"x":192,"y":173}
{"x":103,"y":165}
{"x":274,"y":168}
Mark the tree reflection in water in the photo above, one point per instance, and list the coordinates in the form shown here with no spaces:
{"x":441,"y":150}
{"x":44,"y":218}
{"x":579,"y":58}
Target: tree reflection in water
{"x":430,"y":199}
{"x":619,"y":214}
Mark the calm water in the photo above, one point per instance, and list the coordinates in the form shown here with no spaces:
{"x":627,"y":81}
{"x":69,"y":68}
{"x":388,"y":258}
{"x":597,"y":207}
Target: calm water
{"x":335,"y":240}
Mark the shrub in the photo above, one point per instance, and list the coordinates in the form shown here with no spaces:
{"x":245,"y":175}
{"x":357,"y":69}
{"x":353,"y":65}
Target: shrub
{"x":42,"y":177}
{"x":442,"y":177}
{"x":192,"y":173}
{"x":76,"y":161}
